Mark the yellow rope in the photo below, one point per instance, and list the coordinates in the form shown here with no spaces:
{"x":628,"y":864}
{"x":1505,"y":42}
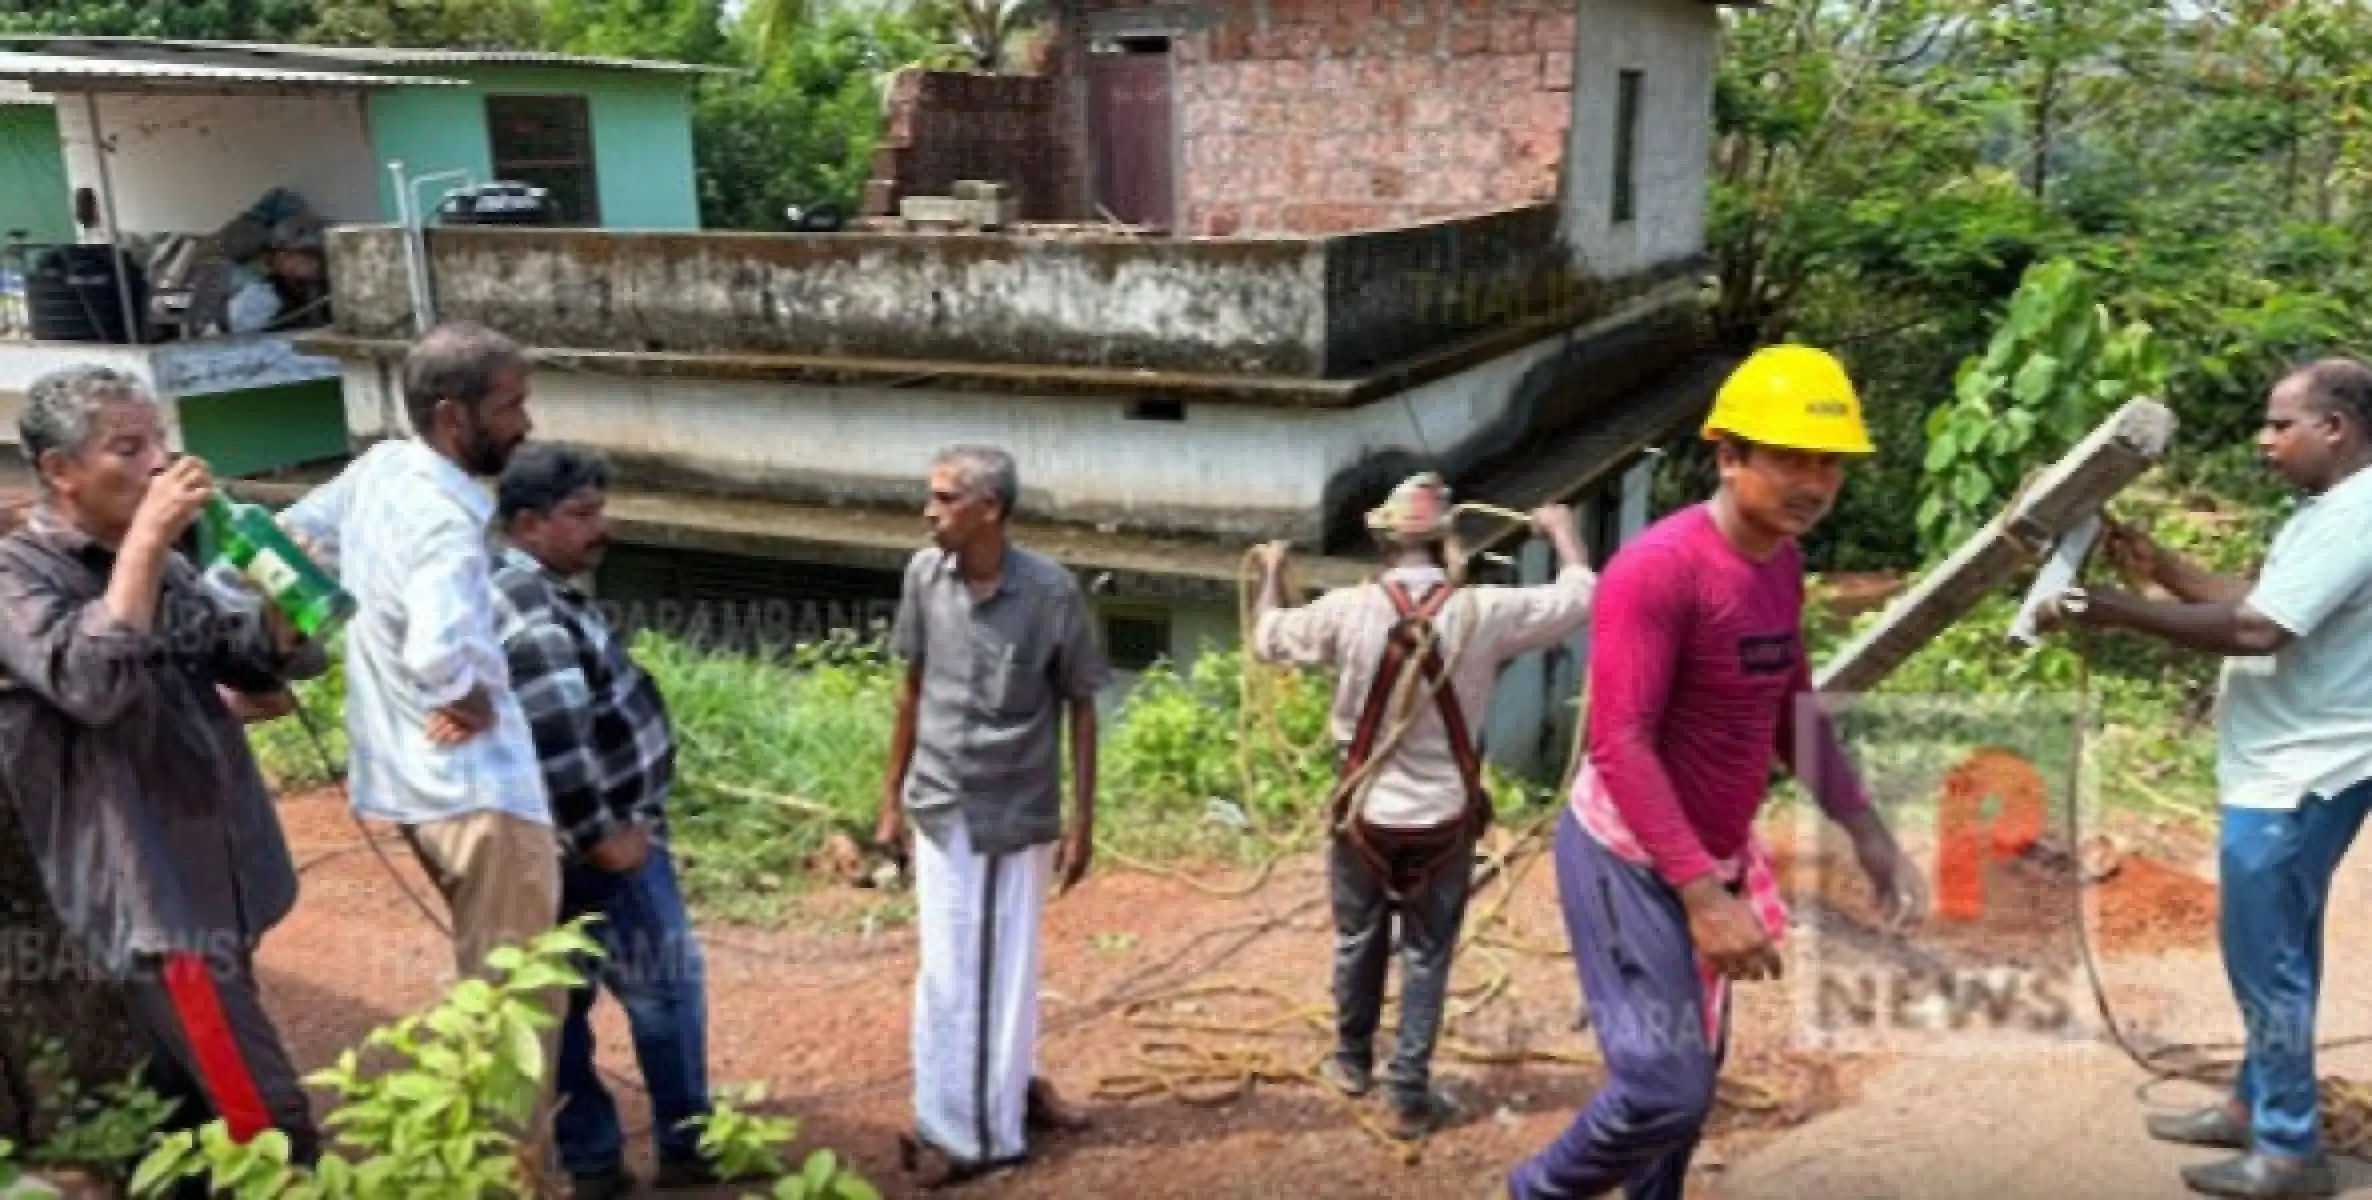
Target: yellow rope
{"x":1183,"y":1058}
{"x":1179,"y":1058}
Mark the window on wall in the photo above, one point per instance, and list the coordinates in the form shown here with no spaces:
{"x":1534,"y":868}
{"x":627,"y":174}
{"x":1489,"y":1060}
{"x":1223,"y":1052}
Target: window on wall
{"x":1134,"y":641}
{"x":1626,"y":145}
{"x":547,"y":141}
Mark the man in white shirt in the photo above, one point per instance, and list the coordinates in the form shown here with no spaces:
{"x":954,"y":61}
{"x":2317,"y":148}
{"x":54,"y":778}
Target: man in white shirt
{"x":440,"y":746}
{"x":2293,"y":761}
{"x":1407,"y":812}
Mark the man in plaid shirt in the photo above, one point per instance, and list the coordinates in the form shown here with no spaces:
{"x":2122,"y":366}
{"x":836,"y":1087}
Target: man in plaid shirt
{"x":608,"y":755}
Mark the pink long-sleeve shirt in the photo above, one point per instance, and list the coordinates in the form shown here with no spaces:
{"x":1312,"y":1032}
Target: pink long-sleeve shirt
{"x":1697,"y":670}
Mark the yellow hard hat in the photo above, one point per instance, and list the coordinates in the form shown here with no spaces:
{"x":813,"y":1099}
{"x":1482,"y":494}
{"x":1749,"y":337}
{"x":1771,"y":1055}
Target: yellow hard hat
{"x":1794,"y":397}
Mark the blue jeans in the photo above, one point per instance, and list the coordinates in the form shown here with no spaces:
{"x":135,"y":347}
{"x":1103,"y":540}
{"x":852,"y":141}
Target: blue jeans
{"x":2277,"y":868}
{"x":654,"y":968}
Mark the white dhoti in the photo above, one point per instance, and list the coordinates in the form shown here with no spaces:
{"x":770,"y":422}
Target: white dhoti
{"x":976,"y":995}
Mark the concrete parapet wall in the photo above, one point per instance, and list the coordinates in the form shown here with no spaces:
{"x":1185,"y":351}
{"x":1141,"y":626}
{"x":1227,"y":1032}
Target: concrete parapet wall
{"x":1309,"y":307}
{"x":1238,"y":472}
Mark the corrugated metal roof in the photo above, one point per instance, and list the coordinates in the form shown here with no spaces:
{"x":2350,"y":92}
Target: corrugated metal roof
{"x":352,"y":56}
{"x":77,"y":71}
{"x":409,"y":57}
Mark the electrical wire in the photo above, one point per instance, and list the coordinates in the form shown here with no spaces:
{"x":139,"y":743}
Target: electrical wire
{"x":2346,"y":1104}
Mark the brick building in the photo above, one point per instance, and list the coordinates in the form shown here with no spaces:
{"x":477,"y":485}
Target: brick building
{"x":1409,"y":234}
{"x":1220,"y":117}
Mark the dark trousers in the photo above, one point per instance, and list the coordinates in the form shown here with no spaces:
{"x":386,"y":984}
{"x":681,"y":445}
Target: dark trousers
{"x":654,"y":967}
{"x":1429,"y":921}
{"x":213,"y":1050}
{"x":1638,"y":968}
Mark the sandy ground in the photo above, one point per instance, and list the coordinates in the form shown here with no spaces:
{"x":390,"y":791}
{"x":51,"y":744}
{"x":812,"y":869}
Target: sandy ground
{"x":818,"y":1012}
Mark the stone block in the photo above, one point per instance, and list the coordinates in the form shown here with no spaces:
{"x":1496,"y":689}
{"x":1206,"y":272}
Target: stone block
{"x":935,"y":210}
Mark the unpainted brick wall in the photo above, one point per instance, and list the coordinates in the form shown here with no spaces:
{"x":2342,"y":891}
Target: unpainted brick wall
{"x":944,"y":126}
{"x":1318,"y":116}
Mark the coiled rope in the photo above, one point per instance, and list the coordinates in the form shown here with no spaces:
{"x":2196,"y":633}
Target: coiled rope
{"x":1192,"y":1057}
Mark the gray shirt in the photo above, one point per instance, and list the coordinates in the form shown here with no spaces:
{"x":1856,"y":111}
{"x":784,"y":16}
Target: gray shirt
{"x":995,"y":677}
{"x":138,"y":794}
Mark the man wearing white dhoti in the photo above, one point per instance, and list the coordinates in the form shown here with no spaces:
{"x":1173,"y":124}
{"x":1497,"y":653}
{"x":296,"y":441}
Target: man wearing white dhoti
{"x":998,"y":643}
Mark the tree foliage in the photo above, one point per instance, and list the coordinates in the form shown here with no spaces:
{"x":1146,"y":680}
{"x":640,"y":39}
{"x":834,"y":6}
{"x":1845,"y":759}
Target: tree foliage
{"x":440,"y":24}
{"x":690,"y":31}
{"x":230,"y":20}
{"x":1887,"y":172}
{"x":800,"y":129}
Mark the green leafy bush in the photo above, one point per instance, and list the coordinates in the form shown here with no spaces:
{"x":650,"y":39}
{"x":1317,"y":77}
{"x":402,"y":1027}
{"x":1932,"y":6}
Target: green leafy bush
{"x":103,"y":1130}
{"x":290,"y":758}
{"x":438,"y":1123}
{"x":2055,"y":368}
{"x":743,"y":1144}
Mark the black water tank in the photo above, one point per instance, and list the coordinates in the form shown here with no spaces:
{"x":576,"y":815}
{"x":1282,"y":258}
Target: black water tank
{"x":70,"y":294}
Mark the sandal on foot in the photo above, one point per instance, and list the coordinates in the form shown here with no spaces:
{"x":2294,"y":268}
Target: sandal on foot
{"x":1049,"y":1112}
{"x":2252,"y":1175}
{"x":2209,"y":1126}
{"x":1411,"y":1121}
{"x":935,"y":1168}
{"x":1350,"y":1081}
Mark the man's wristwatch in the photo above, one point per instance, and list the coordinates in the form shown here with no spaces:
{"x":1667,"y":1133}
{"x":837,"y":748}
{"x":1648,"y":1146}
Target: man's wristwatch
{"x":2075,"y":602}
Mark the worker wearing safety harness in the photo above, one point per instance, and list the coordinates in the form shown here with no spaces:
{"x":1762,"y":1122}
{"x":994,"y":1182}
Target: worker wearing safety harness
{"x":1698,"y":676}
{"x":1416,"y":655}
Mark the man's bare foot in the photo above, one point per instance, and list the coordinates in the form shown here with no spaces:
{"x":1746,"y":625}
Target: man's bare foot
{"x":1048,"y":1110}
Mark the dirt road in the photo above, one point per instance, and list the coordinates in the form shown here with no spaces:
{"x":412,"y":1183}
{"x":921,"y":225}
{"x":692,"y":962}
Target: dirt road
{"x":819,"y":1012}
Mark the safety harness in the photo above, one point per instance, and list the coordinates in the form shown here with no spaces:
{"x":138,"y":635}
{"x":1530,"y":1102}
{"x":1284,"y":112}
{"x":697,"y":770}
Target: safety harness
{"x":1406,"y":861}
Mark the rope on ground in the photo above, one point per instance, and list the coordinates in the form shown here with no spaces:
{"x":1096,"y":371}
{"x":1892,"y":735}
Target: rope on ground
{"x":1189,"y":1055}
{"x":1259,"y":878}
{"x":1180,"y":1057}
{"x":1179,"y":1060}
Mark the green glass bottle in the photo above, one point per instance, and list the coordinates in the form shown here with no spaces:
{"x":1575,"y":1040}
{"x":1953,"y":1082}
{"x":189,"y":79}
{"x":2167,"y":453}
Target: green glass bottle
{"x":249,"y":540}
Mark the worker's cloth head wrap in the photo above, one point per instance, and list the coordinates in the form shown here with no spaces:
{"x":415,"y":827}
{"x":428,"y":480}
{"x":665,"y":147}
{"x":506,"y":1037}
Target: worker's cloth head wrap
{"x":1417,"y":511}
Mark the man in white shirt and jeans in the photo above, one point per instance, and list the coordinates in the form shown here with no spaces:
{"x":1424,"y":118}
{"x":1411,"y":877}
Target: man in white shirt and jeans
{"x":2293,"y":760}
{"x":440,"y":746}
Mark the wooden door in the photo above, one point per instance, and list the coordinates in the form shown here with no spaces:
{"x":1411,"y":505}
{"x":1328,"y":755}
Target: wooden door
{"x":1133,"y":123}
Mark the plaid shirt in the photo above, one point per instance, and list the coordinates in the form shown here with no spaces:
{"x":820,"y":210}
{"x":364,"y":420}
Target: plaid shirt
{"x":601,"y":728}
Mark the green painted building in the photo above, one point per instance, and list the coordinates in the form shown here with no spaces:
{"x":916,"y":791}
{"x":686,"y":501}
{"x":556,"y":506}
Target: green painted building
{"x":198,"y":132}
{"x":32,"y":171}
{"x":613,"y":148}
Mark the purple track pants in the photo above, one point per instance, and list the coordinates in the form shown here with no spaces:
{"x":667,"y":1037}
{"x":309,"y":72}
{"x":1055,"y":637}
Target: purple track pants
{"x":1638,"y":969}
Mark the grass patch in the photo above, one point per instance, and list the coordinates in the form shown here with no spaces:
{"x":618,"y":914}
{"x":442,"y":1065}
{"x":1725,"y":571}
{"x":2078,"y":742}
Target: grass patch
{"x":775,"y":755}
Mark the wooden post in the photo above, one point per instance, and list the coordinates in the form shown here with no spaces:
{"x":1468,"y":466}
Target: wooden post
{"x":2130,"y":442}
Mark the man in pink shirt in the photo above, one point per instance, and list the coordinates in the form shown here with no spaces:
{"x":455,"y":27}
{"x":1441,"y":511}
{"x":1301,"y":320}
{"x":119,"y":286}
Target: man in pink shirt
{"x":1697,"y":675}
